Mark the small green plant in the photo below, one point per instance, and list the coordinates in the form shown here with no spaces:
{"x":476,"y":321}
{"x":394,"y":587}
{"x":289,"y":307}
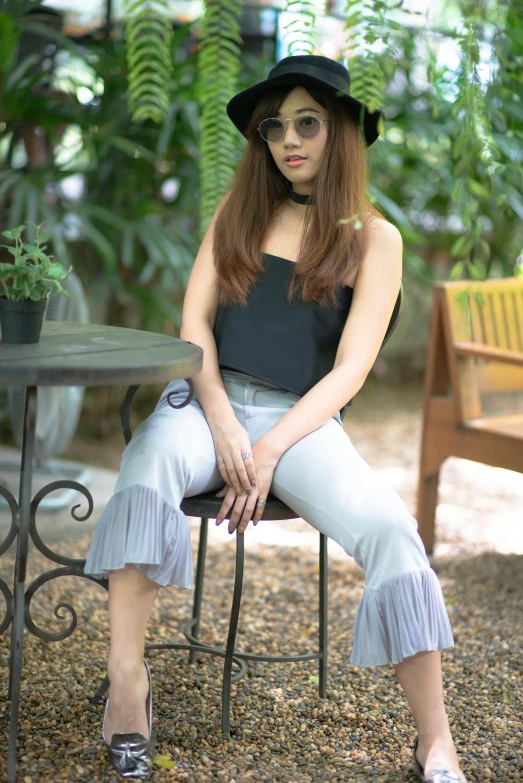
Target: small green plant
{"x":33,"y":274}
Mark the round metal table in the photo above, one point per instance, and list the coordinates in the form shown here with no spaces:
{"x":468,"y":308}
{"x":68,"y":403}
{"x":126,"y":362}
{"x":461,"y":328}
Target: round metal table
{"x":70,"y":354}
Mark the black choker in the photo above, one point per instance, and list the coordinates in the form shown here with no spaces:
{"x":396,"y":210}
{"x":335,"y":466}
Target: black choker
{"x":299,"y":198}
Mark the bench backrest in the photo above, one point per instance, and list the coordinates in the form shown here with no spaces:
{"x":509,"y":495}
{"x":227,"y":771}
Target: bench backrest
{"x":497,"y":321}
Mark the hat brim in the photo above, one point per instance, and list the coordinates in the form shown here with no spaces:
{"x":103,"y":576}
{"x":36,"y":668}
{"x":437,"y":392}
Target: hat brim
{"x":242,"y":105}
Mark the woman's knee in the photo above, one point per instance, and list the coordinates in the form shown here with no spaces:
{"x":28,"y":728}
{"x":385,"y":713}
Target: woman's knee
{"x":392,"y":520}
{"x":388,"y":544}
{"x":166,"y":446}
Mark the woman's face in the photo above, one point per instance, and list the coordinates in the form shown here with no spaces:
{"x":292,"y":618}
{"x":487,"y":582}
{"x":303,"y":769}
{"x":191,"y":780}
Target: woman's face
{"x":299,"y":102}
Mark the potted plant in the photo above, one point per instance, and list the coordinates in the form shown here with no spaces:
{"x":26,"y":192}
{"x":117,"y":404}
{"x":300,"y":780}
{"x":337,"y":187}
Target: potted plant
{"x":27,"y":282}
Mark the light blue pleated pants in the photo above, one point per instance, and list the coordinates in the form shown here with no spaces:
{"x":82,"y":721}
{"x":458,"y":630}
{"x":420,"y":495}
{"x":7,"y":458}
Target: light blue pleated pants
{"x":321,"y":477}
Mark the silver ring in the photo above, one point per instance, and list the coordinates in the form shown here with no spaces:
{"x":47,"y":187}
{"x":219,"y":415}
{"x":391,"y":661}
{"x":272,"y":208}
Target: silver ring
{"x":246,"y":454}
{"x":220,"y":462}
{"x":261,"y":502}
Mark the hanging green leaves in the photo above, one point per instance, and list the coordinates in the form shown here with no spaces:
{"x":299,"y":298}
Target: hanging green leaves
{"x":472,"y":147}
{"x":148,"y":31}
{"x":219,"y":63}
{"x":370,"y":51}
{"x":299,"y":31}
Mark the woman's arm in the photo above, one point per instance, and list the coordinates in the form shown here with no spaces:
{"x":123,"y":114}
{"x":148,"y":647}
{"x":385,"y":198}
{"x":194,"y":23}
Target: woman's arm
{"x":375,"y":294}
{"x":200,"y":306}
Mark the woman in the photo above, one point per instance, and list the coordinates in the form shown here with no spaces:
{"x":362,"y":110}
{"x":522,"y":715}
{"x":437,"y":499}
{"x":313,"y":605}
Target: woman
{"x":292,"y":293}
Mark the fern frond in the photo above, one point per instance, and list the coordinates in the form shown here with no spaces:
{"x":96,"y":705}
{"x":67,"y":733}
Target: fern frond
{"x":300,"y":31}
{"x":148,"y":36}
{"x":218,"y":67}
{"x":371,"y":57}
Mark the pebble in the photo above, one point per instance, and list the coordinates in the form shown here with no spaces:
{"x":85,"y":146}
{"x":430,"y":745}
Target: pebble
{"x":284,"y":732}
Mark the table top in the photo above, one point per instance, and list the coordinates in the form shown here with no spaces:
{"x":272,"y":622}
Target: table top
{"x":78,"y":354}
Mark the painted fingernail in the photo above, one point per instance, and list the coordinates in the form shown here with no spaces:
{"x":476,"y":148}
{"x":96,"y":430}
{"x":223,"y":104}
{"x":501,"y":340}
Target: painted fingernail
{"x":253,"y":482}
{"x":248,"y":491}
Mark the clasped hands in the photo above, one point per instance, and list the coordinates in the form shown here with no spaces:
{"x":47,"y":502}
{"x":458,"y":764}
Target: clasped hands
{"x":249,"y":484}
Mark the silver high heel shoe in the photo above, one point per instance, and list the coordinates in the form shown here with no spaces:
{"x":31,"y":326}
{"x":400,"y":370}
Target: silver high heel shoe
{"x":437,"y":775}
{"x":130,"y":752}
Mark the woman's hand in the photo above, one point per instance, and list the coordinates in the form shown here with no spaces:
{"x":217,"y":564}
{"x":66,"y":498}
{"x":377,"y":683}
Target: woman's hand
{"x":246,"y":506}
{"x":231,"y":440}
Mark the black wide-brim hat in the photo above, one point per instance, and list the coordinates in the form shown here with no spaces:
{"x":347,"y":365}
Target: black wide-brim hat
{"x":307,"y":70}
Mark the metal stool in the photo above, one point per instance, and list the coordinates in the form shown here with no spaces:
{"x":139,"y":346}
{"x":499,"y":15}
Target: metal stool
{"x":206,"y":506}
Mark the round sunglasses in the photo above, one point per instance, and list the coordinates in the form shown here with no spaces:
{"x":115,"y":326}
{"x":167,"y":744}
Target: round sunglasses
{"x":273,"y":129}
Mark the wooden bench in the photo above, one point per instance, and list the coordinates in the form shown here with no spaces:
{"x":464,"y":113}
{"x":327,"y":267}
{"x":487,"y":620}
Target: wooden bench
{"x":474,"y":349}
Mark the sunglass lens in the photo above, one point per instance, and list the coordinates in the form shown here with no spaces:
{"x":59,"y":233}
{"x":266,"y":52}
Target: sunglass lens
{"x":271,"y":130}
{"x":307,"y":126}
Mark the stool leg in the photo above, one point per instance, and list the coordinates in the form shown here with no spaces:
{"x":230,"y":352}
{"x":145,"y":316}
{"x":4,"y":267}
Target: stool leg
{"x":323,"y":618}
{"x":198,"y":587}
{"x":231,"y":637}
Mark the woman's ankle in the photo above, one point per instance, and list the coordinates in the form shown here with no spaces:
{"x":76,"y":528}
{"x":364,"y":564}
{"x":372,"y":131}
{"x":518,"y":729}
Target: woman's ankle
{"x":441,"y":737}
{"x":124,"y":668}
{"x":435,"y":744}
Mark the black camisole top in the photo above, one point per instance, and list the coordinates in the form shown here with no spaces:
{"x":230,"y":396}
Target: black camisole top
{"x":292,"y":346}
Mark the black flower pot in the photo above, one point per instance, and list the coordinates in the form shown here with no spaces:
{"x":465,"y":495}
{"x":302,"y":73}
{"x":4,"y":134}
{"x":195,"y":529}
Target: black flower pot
{"x":21,"y":322}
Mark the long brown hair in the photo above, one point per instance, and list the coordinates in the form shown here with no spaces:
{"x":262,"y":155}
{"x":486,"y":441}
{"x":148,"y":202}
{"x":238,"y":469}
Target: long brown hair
{"x":328,"y":251}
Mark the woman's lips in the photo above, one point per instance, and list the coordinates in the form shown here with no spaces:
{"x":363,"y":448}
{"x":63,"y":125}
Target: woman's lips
{"x":295,"y":163}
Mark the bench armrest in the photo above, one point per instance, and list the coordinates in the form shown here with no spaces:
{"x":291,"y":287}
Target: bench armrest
{"x":479,"y":351}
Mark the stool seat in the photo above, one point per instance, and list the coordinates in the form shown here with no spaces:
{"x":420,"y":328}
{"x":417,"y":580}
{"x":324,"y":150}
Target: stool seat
{"x":208,"y":505}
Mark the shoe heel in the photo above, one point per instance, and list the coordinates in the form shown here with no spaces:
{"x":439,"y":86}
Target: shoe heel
{"x":417,"y":766}
{"x":438,"y":775}
{"x":131,"y":753}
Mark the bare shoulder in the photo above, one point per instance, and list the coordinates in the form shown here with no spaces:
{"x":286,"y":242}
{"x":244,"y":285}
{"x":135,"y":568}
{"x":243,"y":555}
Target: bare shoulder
{"x":201,"y":295}
{"x":383,"y":231}
{"x":384,"y":257}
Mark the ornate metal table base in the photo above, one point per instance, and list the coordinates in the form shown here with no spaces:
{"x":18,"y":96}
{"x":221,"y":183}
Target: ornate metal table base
{"x":23,"y":525}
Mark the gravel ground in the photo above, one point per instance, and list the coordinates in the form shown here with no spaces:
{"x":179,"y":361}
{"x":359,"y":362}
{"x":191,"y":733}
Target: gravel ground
{"x":285,"y":733}
{"x":363,"y":731}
